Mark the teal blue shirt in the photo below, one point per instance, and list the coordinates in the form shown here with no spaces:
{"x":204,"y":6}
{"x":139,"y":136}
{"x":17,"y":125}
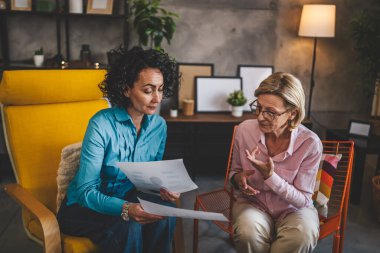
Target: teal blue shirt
{"x":111,"y":137}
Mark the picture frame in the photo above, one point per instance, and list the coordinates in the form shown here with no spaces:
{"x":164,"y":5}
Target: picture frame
{"x":21,"y":5}
{"x":252,"y":76}
{"x":358,"y":128}
{"x":211,"y":93}
{"x":99,"y":7}
{"x":188,"y":73}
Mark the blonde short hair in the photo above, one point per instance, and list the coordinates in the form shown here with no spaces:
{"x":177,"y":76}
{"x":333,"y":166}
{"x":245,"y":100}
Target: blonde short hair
{"x":289,"y":88}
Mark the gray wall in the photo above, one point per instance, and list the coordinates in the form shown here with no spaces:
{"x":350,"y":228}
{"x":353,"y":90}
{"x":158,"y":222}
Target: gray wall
{"x":228,"y":33}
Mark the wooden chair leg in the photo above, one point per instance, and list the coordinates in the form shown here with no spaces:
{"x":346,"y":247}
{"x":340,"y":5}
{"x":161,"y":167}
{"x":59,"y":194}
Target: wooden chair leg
{"x":195,"y":230}
{"x":178,"y":241}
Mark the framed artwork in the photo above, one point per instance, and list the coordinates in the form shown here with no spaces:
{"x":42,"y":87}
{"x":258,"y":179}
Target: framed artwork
{"x":21,"y":5}
{"x":189,"y":71}
{"x":211,"y":93}
{"x":359,"y":128}
{"x":252,"y":76}
{"x":99,"y":6}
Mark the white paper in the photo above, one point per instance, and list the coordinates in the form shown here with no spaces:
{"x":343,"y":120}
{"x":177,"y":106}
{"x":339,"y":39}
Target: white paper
{"x":99,"y":4}
{"x":151,"y":176}
{"x":157,"y":209}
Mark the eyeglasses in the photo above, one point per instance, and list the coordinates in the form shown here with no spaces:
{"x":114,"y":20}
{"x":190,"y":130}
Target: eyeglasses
{"x":268,"y":115}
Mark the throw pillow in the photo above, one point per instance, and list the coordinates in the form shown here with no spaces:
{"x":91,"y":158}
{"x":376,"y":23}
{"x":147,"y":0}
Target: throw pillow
{"x":67,"y":169}
{"x":324,"y":182}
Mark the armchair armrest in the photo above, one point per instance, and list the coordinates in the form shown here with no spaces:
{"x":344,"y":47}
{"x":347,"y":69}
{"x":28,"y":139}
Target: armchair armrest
{"x":48,"y":220}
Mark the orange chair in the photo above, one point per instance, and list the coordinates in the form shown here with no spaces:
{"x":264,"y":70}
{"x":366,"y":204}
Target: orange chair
{"x":222,"y":200}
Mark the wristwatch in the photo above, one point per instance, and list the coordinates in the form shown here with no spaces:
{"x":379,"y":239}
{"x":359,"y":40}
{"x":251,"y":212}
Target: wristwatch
{"x":125,"y":212}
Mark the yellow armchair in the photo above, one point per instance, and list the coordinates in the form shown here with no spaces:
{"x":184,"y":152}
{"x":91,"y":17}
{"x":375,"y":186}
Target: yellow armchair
{"x":43,"y":111}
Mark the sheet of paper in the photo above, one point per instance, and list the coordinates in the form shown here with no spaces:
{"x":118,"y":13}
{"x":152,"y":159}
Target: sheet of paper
{"x":151,"y":176}
{"x":157,"y":209}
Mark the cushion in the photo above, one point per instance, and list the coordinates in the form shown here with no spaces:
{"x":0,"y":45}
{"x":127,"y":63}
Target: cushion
{"x":324,"y":182}
{"x":67,"y":169}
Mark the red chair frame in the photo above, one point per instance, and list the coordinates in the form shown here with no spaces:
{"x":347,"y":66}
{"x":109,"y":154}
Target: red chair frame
{"x":222,"y":200}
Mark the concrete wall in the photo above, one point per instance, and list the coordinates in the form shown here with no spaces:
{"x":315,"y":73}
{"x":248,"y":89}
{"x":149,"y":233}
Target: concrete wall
{"x":227,"y":33}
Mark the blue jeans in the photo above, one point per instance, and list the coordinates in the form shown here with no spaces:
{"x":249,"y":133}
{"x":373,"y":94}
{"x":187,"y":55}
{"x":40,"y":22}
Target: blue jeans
{"x":113,"y":234}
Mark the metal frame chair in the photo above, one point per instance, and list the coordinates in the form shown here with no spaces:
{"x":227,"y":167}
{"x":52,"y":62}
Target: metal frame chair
{"x":222,"y":200}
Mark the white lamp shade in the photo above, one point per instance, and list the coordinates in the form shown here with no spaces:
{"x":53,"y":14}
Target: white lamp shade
{"x":317,"y":20}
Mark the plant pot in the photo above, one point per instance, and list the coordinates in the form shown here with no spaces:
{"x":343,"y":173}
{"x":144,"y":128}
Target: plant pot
{"x":76,"y":6}
{"x":237,"y":111}
{"x":173,"y":113}
{"x":38,"y":60}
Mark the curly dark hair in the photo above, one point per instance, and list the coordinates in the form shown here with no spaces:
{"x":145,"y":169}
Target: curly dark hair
{"x":124,"y":72}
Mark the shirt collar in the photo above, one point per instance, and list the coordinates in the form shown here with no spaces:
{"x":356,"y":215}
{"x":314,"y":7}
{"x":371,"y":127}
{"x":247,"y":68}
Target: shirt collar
{"x":122,"y":115}
{"x":293,"y":137}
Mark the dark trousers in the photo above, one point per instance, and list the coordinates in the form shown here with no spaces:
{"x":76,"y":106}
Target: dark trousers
{"x":113,"y":234}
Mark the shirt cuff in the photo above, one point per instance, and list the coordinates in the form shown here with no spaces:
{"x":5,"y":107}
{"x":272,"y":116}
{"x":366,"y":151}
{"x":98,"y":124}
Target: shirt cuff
{"x":114,"y":206}
{"x":273,"y":181}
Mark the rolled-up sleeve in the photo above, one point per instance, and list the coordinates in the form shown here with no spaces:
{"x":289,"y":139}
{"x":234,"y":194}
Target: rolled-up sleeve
{"x":88,"y":181}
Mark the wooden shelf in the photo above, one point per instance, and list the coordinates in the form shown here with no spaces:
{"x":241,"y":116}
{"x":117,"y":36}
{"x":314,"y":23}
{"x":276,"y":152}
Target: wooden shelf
{"x":63,"y":25}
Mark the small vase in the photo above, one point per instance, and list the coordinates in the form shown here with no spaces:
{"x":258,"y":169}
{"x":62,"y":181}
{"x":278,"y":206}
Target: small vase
{"x":38,"y":60}
{"x":237,"y":111}
{"x":173,"y":113}
{"x":76,"y":6}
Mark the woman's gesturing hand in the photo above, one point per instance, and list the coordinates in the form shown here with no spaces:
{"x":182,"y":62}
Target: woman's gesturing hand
{"x":241,"y":182}
{"x":169,"y":196}
{"x":137,"y":213}
{"x":266,"y":169}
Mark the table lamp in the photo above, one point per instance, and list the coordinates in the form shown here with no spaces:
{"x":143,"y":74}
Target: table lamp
{"x":317,"y":21}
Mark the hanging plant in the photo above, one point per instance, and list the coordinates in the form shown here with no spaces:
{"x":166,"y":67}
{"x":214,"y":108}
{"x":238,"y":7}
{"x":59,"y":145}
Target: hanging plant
{"x":152,"y":22}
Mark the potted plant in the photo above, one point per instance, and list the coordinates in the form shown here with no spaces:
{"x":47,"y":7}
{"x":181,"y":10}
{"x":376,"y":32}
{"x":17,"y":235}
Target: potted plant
{"x":237,"y":100}
{"x":38,"y":57}
{"x":365,"y":31}
{"x":152,"y":22}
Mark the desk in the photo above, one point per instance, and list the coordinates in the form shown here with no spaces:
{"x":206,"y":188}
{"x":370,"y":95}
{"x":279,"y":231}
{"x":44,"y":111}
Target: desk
{"x":362,"y":148}
{"x":203,"y":140}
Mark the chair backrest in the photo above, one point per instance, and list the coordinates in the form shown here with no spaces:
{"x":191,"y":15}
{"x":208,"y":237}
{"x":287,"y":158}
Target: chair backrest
{"x":43,"y":111}
{"x":340,"y":192}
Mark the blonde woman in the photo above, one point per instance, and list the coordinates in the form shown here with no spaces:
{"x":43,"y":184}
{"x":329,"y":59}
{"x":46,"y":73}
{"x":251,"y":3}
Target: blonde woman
{"x":274,"y":166}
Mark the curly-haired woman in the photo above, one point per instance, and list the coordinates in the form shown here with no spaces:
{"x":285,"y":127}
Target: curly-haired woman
{"x":101,"y":201}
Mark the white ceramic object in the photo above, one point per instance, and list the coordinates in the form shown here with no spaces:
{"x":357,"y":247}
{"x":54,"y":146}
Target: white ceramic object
{"x":76,"y":6}
{"x":173,"y":113}
{"x":237,"y":111}
{"x":38,"y":60}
